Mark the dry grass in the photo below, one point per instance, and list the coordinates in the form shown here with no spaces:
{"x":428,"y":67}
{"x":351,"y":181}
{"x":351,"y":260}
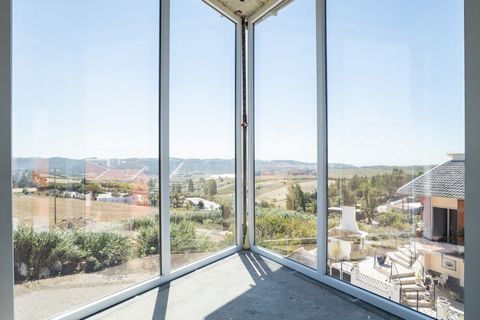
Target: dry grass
{"x":274,"y":188}
{"x":39,"y":210}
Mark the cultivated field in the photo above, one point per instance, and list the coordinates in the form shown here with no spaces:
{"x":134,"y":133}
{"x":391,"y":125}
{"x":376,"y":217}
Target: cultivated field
{"x":274,"y":188}
{"x":38,"y":211}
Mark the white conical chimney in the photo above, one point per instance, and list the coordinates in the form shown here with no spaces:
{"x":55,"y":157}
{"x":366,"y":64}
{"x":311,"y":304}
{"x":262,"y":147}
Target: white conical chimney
{"x":349,"y":221}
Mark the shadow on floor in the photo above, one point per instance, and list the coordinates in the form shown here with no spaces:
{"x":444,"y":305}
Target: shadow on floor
{"x":244,"y":286}
{"x":282,"y":293}
{"x":161,"y":303}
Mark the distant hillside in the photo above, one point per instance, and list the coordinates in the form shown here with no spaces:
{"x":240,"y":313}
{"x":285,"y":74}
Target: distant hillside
{"x":349,"y":172}
{"x":83,"y":167}
{"x":182,"y":167}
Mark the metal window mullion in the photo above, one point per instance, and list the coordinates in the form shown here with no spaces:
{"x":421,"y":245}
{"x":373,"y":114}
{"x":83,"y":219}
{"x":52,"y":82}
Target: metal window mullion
{"x":322,"y":140}
{"x":164,"y":137}
{"x":6,"y":225}
{"x":239,"y":152}
{"x":472,"y":158}
{"x":251,"y":133}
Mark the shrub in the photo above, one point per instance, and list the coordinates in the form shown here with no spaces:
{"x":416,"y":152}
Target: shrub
{"x":139,"y":223}
{"x":286,"y":228}
{"x":23,"y":243}
{"x":183,"y":237}
{"x":57,"y":252}
{"x":68,"y":254}
{"x":198,"y":216}
{"x":148,"y":240}
{"x":44,"y":245}
{"x":333,"y":221}
{"x":393,"y":219}
{"x":92,"y":264}
{"x":109,"y":248}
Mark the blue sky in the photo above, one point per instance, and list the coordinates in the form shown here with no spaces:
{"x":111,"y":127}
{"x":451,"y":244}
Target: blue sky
{"x":86,"y":84}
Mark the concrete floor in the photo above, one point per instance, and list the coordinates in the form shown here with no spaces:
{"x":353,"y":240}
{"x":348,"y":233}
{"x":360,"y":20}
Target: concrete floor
{"x":243,"y":286}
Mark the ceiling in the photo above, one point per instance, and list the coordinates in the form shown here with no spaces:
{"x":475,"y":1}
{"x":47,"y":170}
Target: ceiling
{"x":244,"y":8}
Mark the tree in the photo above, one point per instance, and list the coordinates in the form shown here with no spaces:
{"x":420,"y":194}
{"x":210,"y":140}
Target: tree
{"x":188,"y":204}
{"x":29,"y":179}
{"x":210,"y":188}
{"x":264,"y":204}
{"x":311,"y":207}
{"x":191,"y":186}
{"x":176,"y":188}
{"x":295,"y":198}
{"x":153,"y":199}
{"x":38,"y":180}
{"x":151,"y":183}
{"x":93,"y":187}
{"x":177,"y":200}
{"x":371,"y":197}
{"x":226,"y":213}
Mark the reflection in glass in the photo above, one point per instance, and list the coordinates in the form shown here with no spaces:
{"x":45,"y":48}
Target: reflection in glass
{"x":202,"y":132}
{"x":395,"y":109}
{"x":285,"y":133}
{"x":85,"y":146}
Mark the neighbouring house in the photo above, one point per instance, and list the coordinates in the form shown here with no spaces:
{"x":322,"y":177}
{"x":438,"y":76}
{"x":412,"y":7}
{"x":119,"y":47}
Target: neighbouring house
{"x":441,"y":192}
{"x":108,"y":197}
{"x":208,"y":205}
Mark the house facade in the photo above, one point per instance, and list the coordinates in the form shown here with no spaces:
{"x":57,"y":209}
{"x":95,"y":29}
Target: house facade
{"x":441,"y":191}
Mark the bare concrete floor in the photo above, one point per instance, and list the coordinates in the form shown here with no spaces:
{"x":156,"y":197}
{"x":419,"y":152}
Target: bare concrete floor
{"x":243,"y":286}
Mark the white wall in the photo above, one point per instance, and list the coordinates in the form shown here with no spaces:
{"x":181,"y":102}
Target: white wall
{"x":448,"y":203}
{"x":434,"y":262}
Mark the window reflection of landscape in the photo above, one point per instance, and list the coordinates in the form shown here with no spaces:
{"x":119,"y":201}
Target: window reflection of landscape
{"x":395,"y":197}
{"x":202,"y":132}
{"x":285,"y":133}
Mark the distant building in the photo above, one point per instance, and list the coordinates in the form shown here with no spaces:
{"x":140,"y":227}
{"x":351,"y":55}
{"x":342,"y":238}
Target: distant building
{"x":208,"y":205}
{"x":108,"y":197}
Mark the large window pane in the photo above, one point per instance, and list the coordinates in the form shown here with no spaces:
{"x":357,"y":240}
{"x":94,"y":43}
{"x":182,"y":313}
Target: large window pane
{"x":285,"y":133}
{"x":202,"y":132}
{"x":395,"y":111}
{"x":85,"y":147}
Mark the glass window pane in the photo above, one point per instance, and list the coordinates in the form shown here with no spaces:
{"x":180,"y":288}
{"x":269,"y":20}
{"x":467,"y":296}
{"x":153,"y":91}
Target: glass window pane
{"x":85,"y":147}
{"x":202,"y":132}
{"x":285,"y":133}
{"x":395,"y":115}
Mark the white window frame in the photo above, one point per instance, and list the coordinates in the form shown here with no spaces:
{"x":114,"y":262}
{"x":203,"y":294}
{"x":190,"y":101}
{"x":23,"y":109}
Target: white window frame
{"x":472,"y":21}
{"x":166,"y":273}
{"x":472,"y":157}
{"x":472,"y":146}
